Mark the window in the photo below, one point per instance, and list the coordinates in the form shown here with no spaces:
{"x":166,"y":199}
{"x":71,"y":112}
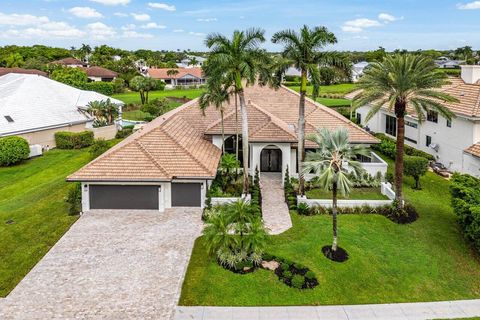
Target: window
{"x":449,"y":123}
{"x":411,"y":124}
{"x":411,"y":140}
{"x":428,"y":141}
{"x":9,"y":119}
{"x":432,"y":116}
{"x":358,"y":118}
{"x":391,"y":125}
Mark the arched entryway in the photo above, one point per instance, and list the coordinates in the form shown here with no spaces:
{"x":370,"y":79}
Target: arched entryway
{"x":271,"y":159}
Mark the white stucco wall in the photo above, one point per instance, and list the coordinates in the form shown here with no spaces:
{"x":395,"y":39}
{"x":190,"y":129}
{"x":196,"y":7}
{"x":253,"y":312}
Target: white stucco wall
{"x":256,"y":149}
{"x":471,"y":165}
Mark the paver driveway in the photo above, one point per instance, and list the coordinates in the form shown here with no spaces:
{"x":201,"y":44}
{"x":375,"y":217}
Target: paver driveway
{"x":110,"y":265}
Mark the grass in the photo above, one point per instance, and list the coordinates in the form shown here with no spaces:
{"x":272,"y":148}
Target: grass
{"x":134,"y":97}
{"x":330,"y":102}
{"x":139,"y":115}
{"x":342,"y":88}
{"x":428,"y":260}
{"x":355,"y":194}
{"x":32,"y":195}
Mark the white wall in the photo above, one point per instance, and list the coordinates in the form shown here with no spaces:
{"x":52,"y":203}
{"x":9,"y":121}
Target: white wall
{"x":256,"y":149}
{"x":471,"y":165}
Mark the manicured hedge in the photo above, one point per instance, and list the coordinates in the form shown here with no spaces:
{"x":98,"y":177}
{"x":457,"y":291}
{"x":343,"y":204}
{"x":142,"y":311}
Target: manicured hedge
{"x":388,"y":147}
{"x":106,"y":88}
{"x":13,"y":150}
{"x":465,"y":191}
{"x":73,"y":140}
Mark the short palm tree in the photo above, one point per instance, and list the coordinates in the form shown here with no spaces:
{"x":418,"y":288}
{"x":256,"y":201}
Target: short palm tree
{"x":332,"y":163}
{"x":398,"y":83}
{"x":302,"y":50}
{"x":239,"y":58}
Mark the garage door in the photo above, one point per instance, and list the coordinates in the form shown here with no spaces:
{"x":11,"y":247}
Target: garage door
{"x":186,"y":194}
{"x":123,"y":197}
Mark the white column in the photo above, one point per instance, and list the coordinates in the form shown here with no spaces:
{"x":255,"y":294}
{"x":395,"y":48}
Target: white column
{"x":85,"y":197}
{"x":161,"y":198}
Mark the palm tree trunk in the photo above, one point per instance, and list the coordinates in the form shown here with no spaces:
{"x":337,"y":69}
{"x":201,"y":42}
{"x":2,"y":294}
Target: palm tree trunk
{"x":334,"y":217}
{"x":243,"y":110}
{"x":399,"y":160}
{"x":301,"y":133}
{"x":223,"y":133}
{"x":236,"y":127}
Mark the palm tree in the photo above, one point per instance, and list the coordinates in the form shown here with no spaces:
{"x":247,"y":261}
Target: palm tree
{"x":216,"y":95}
{"x":171,"y":73}
{"x":332,"y":163}
{"x":240,"y":58}
{"x":302,"y":50}
{"x":398,"y":83}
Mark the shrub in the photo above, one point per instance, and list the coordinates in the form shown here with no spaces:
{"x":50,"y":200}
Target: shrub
{"x":125,"y":132}
{"x":106,"y":88}
{"x":13,"y":150}
{"x":310,"y":275}
{"x":73,"y":140}
{"x":287,"y":274}
{"x":303,"y":209}
{"x":298,"y":281}
{"x":285,"y":266}
{"x":268,"y":257}
{"x":155,"y":107}
{"x":466,"y":204}
{"x":388,"y":147}
{"x":415,"y":167}
{"x":98,"y":147}
{"x":74,"y":198}
{"x":148,"y":117}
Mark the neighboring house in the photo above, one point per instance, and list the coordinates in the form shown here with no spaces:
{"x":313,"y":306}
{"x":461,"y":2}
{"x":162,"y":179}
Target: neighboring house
{"x":70,"y":62}
{"x":4,"y":71}
{"x":183,"y":77}
{"x":358,"y":69}
{"x":172,"y":160}
{"x":187,"y":62}
{"x":293,"y":72}
{"x":95,"y":73}
{"x":35,"y":107}
{"x":454,"y":143}
{"x":446,"y":63}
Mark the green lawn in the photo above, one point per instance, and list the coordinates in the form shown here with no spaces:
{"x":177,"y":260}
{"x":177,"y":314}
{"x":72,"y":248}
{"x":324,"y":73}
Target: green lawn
{"x":134,"y":97}
{"x":342,"y":88}
{"x":426,"y":261}
{"x":329,"y":102}
{"x":32,"y":195}
{"x":355,"y":194}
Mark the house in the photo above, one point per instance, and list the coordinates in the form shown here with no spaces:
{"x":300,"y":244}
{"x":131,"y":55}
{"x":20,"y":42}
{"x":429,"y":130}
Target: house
{"x":171,"y":161}
{"x":4,"y":71}
{"x":35,"y":107}
{"x":70,"y":62}
{"x":453,"y":143}
{"x":180,"y":77}
{"x":357,"y":70}
{"x":95,"y":74}
{"x":187,"y":62}
{"x":446,"y":63}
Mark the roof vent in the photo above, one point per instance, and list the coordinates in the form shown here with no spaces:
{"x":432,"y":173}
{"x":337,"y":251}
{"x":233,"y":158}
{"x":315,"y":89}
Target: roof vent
{"x":9,"y":119}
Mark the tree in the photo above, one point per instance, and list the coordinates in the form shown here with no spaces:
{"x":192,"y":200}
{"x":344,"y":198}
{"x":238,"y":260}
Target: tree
{"x":193,"y":62}
{"x":238,"y":59}
{"x":75,"y":77}
{"x":143,"y":85}
{"x":104,"y":111}
{"x":415,"y":167}
{"x":216,"y":95}
{"x":172,"y":73}
{"x":14,"y":60}
{"x":397,"y":83}
{"x":302,"y":50}
{"x":333,"y":163}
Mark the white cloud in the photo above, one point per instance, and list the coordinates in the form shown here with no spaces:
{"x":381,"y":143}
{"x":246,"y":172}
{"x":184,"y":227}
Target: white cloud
{"x":385,"y":17}
{"x":49,"y":30}
{"x":178,"y":30}
{"x":127,"y":27}
{"x":206,"y":19}
{"x":120,"y":14}
{"x":134,"y":34}
{"x":21,"y":19}
{"x":85,"y":12}
{"x":198,"y":34}
{"x":469,"y":6}
{"x":100,"y":31}
{"x":112,"y":2}
{"x":141,"y":16}
{"x":358,"y":25}
{"x":153,"y":25}
{"x":163,"y":6}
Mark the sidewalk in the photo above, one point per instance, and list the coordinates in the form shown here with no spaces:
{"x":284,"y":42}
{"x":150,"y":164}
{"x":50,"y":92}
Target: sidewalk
{"x":396,"y":311}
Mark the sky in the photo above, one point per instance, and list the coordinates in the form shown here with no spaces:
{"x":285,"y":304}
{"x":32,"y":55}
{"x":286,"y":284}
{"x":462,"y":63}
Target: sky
{"x":359,"y":25}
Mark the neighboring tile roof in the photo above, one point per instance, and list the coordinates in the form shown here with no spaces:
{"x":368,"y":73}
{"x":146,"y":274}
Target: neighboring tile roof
{"x":161,"y":73}
{"x":474,"y":149}
{"x":68,"y":61}
{"x":174,"y":144}
{"x":99,"y":72}
{"x":4,"y":71}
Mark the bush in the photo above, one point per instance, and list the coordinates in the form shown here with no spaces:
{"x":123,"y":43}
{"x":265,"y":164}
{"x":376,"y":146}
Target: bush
{"x":125,"y":132}
{"x":298,"y":281}
{"x":287,"y":274}
{"x":118,"y":85}
{"x":415,"y":167}
{"x":13,"y":150}
{"x":73,"y":140}
{"x":310,"y":275}
{"x":98,"y":147}
{"x":303,"y":209}
{"x":106,"y":88}
{"x":388,"y":147}
{"x":465,"y":191}
{"x":74,"y":198}
{"x":155,"y":107}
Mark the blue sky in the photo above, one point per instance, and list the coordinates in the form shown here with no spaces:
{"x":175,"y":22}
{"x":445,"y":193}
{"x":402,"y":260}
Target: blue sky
{"x":182,"y":24}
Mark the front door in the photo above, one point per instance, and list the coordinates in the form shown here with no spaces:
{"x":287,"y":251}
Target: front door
{"x":271,"y":160}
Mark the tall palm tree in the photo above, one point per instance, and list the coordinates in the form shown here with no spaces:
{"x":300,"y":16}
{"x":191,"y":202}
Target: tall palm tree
{"x":216,"y":95}
{"x":172,"y":73}
{"x":302,"y":50}
{"x":332,"y":162}
{"x":398,"y":83}
{"x":241,"y":58}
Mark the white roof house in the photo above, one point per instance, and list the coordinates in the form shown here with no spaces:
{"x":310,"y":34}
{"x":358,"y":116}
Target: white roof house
{"x":357,"y":70}
{"x":30,"y":103}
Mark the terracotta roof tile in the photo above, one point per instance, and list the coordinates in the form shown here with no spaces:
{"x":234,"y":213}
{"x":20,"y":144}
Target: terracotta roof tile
{"x":4,"y":71}
{"x":162,"y":73}
{"x":100,"y":72}
{"x":474,"y":149}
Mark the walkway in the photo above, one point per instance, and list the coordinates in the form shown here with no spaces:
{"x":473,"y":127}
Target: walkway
{"x":399,"y":311}
{"x":110,"y":265}
{"x":275,"y":212}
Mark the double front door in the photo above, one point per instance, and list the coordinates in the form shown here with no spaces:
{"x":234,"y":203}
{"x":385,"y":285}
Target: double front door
{"x":271,"y":160}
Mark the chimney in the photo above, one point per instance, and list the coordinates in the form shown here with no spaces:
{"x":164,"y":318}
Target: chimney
{"x":471,"y":74}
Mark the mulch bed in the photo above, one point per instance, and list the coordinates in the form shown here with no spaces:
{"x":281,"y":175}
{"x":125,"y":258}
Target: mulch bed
{"x":339,"y":255}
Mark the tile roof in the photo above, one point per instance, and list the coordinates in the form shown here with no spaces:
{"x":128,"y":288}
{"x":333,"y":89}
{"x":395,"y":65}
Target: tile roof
{"x":100,"y":72}
{"x":161,"y":73}
{"x":474,"y":149}
{"x":175,"y":144}
{"x":4,"y":71}
{"x":68,"y":61}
